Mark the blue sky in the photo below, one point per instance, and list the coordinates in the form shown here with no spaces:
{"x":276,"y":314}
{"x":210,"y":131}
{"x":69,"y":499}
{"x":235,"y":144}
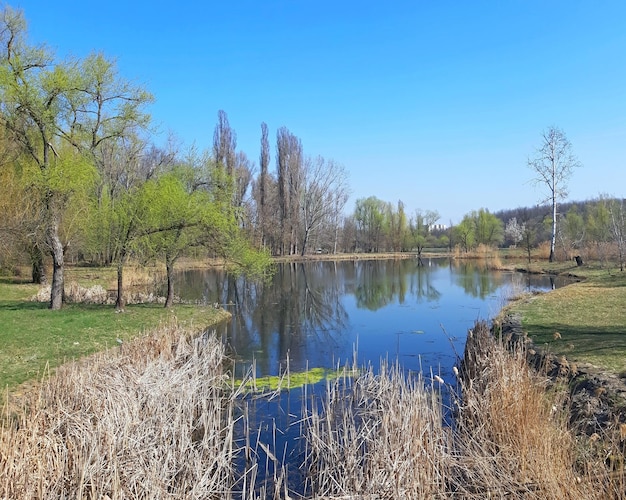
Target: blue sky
{"x":437,"y":103}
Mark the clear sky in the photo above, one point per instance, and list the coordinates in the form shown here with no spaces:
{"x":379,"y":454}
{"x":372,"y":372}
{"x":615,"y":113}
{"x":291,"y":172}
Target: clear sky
{"x":437,"y":103}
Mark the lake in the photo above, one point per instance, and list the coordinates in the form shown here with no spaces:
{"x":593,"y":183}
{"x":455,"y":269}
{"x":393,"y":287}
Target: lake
{"x":325,"y":314}
{"x":322,"y":314}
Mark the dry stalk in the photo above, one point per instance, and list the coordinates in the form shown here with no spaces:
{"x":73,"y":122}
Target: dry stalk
{"x":151,"y":421}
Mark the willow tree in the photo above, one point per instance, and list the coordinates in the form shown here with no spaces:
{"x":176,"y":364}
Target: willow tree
{"x":176,"y":220}
{"x":420,"y":230}
{"x":369,"y":214}
{"x":553,"y":165}
{"x":181,"y":215}
{"x":56,"y":111}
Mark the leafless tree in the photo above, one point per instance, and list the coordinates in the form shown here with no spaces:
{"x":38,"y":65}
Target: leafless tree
{"x":323,"y":194}
{"x":264,"y":162}
{"x":241,"y":178}
{"x":224,"y":143}
{"x":553,"y":165}
{"x":289,"y":168}
{"x":617,"y":212}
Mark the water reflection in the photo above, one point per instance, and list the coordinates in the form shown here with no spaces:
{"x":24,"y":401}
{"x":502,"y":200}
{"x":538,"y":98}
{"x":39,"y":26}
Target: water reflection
{"x":379,"y":285}
{"x":317,"y":314}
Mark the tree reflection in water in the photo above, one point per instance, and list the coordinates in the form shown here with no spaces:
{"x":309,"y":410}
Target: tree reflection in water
{"x":314,"y":313}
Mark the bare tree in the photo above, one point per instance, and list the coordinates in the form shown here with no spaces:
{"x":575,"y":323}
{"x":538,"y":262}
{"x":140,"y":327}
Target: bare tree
{"x":553,"y":165}
{"x":241,"y":178}
{"x":617,"y":213}
{"x":224,"y":143}
{"x":323,"y":193}
{"x":289,"y":167}
{"x":264,"y":162}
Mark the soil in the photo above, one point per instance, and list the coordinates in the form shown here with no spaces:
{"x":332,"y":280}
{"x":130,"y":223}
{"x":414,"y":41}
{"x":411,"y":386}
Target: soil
{"x":597,"y":397}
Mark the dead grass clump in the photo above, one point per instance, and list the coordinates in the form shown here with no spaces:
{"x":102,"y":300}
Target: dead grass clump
{"x":381,"y":436}
{"x":513,"y":434}
{"x":97,"y":294}
{"x":143,"y":276}
{"x":75,"y":293}
{"x":149,"y":422}
{"x":543,"y":251}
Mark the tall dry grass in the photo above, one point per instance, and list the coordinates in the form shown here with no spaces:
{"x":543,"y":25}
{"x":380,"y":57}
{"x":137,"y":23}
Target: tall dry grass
{"x":158,"y":418}
{"x":383,"y":437}
{"x":380,"y":437}
{"x":488,"y":257}
{"x":150,"y":421}
{"x":512,"y":436}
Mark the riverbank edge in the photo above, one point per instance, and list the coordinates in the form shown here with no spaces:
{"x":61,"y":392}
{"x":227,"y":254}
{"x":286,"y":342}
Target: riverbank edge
{"x":597,"y":398}
{"x":13,"y":398}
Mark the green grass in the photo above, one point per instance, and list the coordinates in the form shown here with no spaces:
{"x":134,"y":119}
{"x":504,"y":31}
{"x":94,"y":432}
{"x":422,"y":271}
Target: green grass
{"x":589,"y":317}
{"x":33,"y":337}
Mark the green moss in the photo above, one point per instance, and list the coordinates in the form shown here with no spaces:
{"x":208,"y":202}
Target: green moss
{"x":292,"y":380}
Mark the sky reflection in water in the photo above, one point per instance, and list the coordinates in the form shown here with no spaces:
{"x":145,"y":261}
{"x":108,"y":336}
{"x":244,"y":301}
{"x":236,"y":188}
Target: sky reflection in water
{"x":317,"y":314}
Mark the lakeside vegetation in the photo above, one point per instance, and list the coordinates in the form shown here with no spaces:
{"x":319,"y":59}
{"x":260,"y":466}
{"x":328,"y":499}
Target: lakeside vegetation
{"x":583,"y":321}
{"x":545,"y":456}
{"x":160,"y":418}
{"x":76,"y":190}
{"x":35,"y":342}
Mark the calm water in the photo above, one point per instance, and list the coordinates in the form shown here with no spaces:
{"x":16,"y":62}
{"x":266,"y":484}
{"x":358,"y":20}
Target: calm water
{"x":319,"y":314}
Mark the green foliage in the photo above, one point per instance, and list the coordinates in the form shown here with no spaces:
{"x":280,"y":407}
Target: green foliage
{"x":420,"y":229}
{"x":369,"y":215}
{"x":489,"y":229}
{"x":478,"y":227}
{"x":243,"y":258}
{"x":60,"y":115}
{"x":463,"y":234}
{"x":598,"y":222}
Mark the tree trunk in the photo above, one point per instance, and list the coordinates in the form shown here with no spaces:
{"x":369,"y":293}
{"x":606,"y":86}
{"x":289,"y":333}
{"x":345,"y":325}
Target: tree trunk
{"x":37,"y":264}
{"x":58,"y":266}
{"x":119,"y":302}
{"x":169,"y":266}
{"x":304,"y":242}
{"x":553,"y":240}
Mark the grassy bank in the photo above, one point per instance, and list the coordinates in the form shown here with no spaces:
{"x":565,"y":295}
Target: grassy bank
{"x":33,"y":338}
{"x":584,"y":321}
{"x":158,"y":418}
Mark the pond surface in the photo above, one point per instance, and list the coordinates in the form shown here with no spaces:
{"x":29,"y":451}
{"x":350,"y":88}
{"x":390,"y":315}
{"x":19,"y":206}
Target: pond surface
{"x":323,"y":314}
{"x":320,"y":314}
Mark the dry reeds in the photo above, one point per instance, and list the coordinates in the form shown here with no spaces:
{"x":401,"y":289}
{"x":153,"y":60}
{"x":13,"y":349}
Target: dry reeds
{"x":157,"y":418}
{"x":151,"y":421}
{"x":380,"y":437}
{"x":512,"y":436}
{"x":383,"y":437}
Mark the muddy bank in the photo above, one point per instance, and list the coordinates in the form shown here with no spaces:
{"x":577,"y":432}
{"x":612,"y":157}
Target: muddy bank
{"x":597,"y":398}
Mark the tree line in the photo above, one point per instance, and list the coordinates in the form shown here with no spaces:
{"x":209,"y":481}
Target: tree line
{"x":82,"y":180}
